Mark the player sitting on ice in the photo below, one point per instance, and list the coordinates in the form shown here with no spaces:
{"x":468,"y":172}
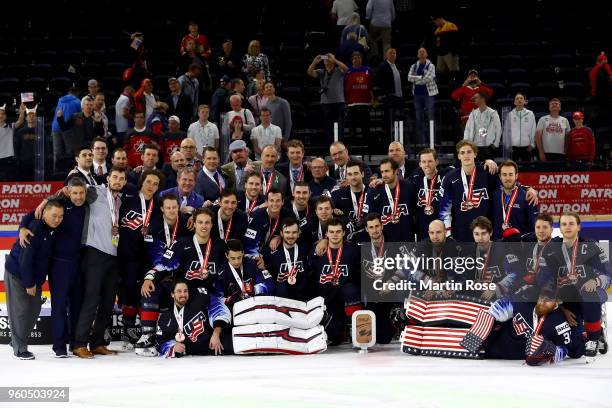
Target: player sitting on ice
{"x":194,"y":325}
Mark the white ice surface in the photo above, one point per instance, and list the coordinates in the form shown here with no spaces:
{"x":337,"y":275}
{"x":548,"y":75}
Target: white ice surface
{"x":340,"y":377}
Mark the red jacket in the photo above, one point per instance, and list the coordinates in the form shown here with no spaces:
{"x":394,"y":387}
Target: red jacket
{"x":593,"y":76}
{"x":202,"y":46}
{"x":358,"y":85}
{"x":134,"y":146}
{"x":464,"y":96}
{"x":580,"y":145}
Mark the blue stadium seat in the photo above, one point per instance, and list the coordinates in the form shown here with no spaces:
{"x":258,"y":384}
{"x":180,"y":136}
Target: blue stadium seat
{"x":523,"y":87}
{"x":60,"y":84}
{"x":35,"y":84}
{"x":517,"y":75}
{"x":9,"y":85}
{"x":41,"y":70}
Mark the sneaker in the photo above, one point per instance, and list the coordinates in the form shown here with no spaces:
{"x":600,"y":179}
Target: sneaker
{"x":25,"y":355}
{"x":61,"y":354}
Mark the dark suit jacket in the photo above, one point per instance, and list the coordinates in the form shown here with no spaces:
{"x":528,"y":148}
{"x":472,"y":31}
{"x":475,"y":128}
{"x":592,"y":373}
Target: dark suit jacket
{"x":183,"y":109}
{"x":367,"y":172}
{"x":207,"y":188}
{"x":384,"y":79}
{"x":283,"y":168}
{"x":170,"y":176}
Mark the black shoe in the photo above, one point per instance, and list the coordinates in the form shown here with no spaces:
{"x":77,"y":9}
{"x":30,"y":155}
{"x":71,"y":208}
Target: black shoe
{"x":61,"y":354}
{"x":25,"y":355}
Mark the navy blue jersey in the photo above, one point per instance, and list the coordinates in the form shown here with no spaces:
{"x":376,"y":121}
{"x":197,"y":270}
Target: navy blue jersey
{"x":183,"y":262}
{"x":321,"y":187}
{"x":164,"y":235}
{"x":202,"y":313}
{"x":300,"y":215}
{"x":239,"y":223}
{"x":349,"y":266}
{"x":131,"y":216}
{"x":250,"y":281}
{"x":400,"y":229}
{"x":247,"y":206}
{"x":522,"y":215}
{"x":280,"y":268}
{"x":443,"y":271}
{"x":313,"y":230}
{"x":351,"y":207}
{"x":261,"y":229}
{"x":500,"y":266}
{"x":423,"y":186}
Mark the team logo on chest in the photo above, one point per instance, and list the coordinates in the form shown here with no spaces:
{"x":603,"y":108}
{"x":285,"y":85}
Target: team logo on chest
{"x":327,"y":274}
{"x":478,"y":195}
{"x":195,"y":326}
{"x":387,"y":213}
{"x":194,"y":273}
{"x":132,"y":220}
{"x":286,"y":267}
{"x":491,"y":274}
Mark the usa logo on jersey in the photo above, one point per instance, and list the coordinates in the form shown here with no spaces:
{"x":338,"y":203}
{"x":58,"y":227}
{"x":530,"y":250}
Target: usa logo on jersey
{"x":520,"y":325}
{"x":387,"y":213}
{"x":491,"y":274}
{"x":132,"y":220}
{"x":195,"y":326}
{"x":477,"y":196}
{"x":422,"y":196}
{"x":286,"y":267}
{"x":194,"y":270}
{"x":328,"y":276}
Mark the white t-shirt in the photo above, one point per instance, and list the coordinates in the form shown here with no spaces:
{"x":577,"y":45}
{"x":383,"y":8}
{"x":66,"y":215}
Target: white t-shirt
{"x":6,"y":141}
{"x":554,"y":131}
{"x":203,"y":135}
{"x":265,"y":136}
{"x":343,"y":9}
{"x":120,"y":121}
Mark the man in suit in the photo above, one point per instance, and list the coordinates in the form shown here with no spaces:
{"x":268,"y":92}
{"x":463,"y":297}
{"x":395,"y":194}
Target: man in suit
{"x":271,"y":178}
{"x":240,"y":164}
{"x":101,"y":165}
{"x":83,"y":170}
{"x":340,"y":157}
{"x":295,"y":170}
{"x":211,"y":179}
{"x":179,"y":104}
{"x":170,"y":170}
{"x":389,"y":81}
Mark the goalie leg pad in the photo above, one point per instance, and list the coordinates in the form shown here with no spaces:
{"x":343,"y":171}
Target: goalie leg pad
{"x":278,"y":339}
{"x":276,"y":310}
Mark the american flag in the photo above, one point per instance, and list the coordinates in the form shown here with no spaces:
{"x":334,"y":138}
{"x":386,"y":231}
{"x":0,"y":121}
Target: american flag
{"x":197,"y":329}
{"x":27,"y":97}
{"x":434,"y":338}
{"x":482,"y":327}
{"x":132,"y":220}
{"x":434,"y":311}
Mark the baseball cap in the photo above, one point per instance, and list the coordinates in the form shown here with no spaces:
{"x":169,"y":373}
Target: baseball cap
{"x":226,"y":40}
{"x":237,"y":145}
{"x":473,"y":71}
{"x":225,"y":78}
{"x":92,"y":82}
{"x":172,"y":79}
{"x":578,"y":115}
{"x":174,"y":118}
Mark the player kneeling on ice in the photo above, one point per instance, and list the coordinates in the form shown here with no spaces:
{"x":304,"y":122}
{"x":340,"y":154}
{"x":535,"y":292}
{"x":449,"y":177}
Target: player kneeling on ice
{"x":196,"y":325}
{"x":240,"y":278}
{"x":539,"y":332}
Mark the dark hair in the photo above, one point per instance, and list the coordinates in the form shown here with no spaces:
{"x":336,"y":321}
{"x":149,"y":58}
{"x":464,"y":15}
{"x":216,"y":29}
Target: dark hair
{"x":73,"y":90}
{"x":262,"y":110}
{"x":371,"y":217}
{"x":117,"y":170}
{"x":178,"y":281}
{"x":154,"y":172}
{"x":202,"y":210}
{"x":571,"y":214}
{"x":289,"y":222}
{"x":76,"y":182}
{"x":302,"y":184}
{"x":273,"y":190}
{"x":334,"y":222}
{"x":353,"y":163}
{"x":464,"y":142}
{"x":78,"y":150}
{"x":252,"y":174}
{"x":169,"y":197}
{"x":228,"y":192}
{"x":118,"y":149}
{"x":293,"y":142}
{"x":193,"y":67}
{"x":324,"y":199}
{"x":483,"y":95}
{"x":187,"y":170}
{"x":428,"y":150}
{"x":234,"y":245}
{"x":53,"y":203}
{"x":98,"y":139}
{"x":139,"y":112}
{"x":545,"y":217}
{"x":482,"y":222}
{"x":235,"y":82}
{"x":509,"y":163}
{"x":209,"y":149}
{"x":393,"y":164}
{"x":150,"y":146}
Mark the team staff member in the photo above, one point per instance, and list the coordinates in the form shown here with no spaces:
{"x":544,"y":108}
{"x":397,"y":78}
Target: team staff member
{"x":26,"y":271}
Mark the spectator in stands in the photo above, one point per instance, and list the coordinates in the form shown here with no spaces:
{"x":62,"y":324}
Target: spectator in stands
{"x":447,"y":43}
{"x":98,"y":106}
{"x":189,"y":57}
{"x":520,"y":128}
{"x":184,"y":190}
{"x":254,"y":60}
{"x":251,"y":90}
{"x":68,"y":104}
{"x":139,"y":70}
{"x":192,"y":158}
{"x":341,"y":13}
{"x":280,"y":109}
{"x":580,"y":142}
{"x":331,"y":80}
{"x":170,"y":141}
{"x":124,"y":115}
{"x":93,"y":88}
{"x":84,"y":126}
{"x":422,"y":74}
{"x":201,"y":41}
{"x":170,"y":170}
{"x":179,"y":104}
{"x":144,"y":99}
{"x":248,"y":121}
{"x":258,"y":100}
{"x":237,"y":88}
{"x":228,"y":62}
{"x":217,"y":101}
{"x":190,"y":86}
{"x":465,"y":94}
{"x":350,"y":46}
{"x":149,"y":158}
{"x":237,"y":129}
{"x":362,"y":37}
{"x":119,"y":159}
{"x":483,"y":128}
{"x":600,"y":78}
{"x":136,"y":139}
{"x":359,"y":95}
{"x":551,"y":132}
{"x":381,"y":14}
{"x":265,"y":134}
{"x":24,"y":141}
{"x":389,"y":81}
{"x":7,"y":147}
{"x":203,"y":132}
{"x":239,"y":165}
{"x":101,"y":166}
{"x":158,"y":121}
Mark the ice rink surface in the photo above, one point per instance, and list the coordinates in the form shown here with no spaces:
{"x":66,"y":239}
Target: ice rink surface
{"x":340,"y":377}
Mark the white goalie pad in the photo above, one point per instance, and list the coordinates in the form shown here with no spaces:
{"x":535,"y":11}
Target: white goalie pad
{"x":277,"y":310}
{"x":278,"y":339}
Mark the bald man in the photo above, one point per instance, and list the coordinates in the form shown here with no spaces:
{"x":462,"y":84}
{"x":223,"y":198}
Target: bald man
{"x":321,"y":183}
{"x":271,"y":178}
{"x":340,"y":157}
{"x":397,"y":153}
{"x":170,"y":170}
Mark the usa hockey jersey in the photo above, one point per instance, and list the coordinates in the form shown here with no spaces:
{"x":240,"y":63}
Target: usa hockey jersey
{"x":400,"y":229}
{"x":280,"y":268}
{"x":423,"y":186}
{"x":352,"y":207}
{"x":249,"y":281}
{"x":522,"y":215}
{"x":261,"y":229}
{"x":348,"y":270}
{"x":132,"y":216}
{"x":164,"y":236}
{"x":237,"y":225}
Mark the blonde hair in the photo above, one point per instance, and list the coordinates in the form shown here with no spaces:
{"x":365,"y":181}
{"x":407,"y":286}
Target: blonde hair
{"x":252,"y":44}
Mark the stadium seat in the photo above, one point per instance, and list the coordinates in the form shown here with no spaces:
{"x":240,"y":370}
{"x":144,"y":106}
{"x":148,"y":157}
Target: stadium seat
{"x":9,"y":85}
{"x":550,"y":89}
{"x":19,"y":71}
{"x":34,"y":84}
{"x":41,"y":70}
{"x":517,"y":75}
{"x":492,"y":75}
{"x":499,"y":89}
{"x":512,"y":62}
{"x":537,"y":103}
{"x":160,"y":82}
{"x":574,"y":89}
{"x":60,"y":84}
{"x":46,"y":57}
{"x":115,"y":69}
{"x":523,"y":87}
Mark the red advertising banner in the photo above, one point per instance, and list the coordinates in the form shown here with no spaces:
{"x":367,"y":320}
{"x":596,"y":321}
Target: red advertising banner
{"x":18,"y":198}
{"x":583,"y":192}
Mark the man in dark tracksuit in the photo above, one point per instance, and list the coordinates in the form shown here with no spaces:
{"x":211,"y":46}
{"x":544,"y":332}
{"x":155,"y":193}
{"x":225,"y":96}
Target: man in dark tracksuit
{"x":64,"y":275}
{"x":26,"y":271}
